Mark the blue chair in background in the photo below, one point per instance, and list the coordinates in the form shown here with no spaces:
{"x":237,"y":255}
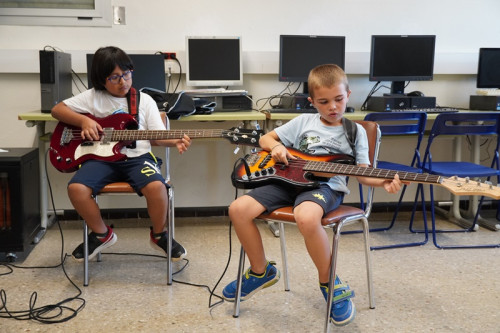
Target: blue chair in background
{"x":407,"y":124}
{"x":471,"y":125}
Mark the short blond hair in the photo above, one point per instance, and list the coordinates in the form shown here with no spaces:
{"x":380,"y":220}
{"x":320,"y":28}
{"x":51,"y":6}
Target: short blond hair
{"x":327,"y":75}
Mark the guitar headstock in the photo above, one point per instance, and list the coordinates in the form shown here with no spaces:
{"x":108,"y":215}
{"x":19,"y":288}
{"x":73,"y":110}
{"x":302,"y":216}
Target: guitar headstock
{"x":465,"y":186}
{"x":243,"y":136}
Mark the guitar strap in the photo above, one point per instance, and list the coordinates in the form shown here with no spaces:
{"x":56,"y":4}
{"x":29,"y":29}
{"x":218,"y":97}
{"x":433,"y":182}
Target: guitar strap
{"x":350,"y":130}
{"x":133,"y":99}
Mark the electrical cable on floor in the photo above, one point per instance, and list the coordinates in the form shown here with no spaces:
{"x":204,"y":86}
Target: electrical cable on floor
{"x":60,"y":312}
{"x":212,"y":291}
{"x":47,"y":314}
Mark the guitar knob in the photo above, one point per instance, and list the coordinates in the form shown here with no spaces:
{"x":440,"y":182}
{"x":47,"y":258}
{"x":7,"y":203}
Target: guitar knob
{"x":257,"y":174}
{"x":264,"y":172}
{"x":59,"y":158}
{"x":270,"y":170}
{"x":68,"y":160}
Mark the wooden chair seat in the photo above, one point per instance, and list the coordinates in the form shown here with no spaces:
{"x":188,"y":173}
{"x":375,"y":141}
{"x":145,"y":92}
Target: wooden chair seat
{"x":285,"y":214}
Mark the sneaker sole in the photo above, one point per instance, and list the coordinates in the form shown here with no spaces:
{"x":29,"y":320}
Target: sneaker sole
{"x":105,"y":245}
{"x":265,"y":285}
{"x":159,"y":249}
{"x":347,"y":320}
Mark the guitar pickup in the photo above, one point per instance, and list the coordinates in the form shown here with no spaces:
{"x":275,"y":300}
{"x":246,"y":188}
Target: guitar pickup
{"x":87,"y":143}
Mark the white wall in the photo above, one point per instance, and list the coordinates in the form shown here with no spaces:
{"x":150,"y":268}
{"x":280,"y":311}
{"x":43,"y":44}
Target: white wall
{"x":202,"y":175}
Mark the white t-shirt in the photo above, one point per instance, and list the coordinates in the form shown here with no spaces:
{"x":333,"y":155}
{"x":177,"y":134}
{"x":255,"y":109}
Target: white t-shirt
{"x":309,"y":135}
{"x":101,"y":104}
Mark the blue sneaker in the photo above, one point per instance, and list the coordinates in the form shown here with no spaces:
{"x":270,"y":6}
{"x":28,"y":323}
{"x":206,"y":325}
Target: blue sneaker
{"x":343,"y":309}
{"x":252,"y":283}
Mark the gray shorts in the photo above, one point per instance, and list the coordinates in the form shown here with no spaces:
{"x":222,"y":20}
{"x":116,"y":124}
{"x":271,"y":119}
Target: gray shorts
{"x":274,"y":196}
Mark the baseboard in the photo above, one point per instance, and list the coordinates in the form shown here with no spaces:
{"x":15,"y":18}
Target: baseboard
{"x":130,"y":213}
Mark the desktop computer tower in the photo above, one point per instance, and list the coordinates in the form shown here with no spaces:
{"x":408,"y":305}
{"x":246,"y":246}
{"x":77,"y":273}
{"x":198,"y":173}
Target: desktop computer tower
{"x":19,"y":202}
{"x":484,"y":103}
{"x":55,"y":78}
{"x":388,"y":103}
{"x":225,"y":103}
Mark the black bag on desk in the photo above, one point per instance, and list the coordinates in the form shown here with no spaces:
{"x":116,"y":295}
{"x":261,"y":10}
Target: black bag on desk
{"x":176,"y":105}
{"x":204,"y":106}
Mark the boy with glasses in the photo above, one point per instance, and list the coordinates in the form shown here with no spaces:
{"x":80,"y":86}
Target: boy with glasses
{"x":111,"y":76}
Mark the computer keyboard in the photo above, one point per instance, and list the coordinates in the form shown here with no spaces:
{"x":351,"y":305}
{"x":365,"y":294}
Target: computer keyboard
{"x":427,"y":110}
{"x":488,"y":92}
{"x":281,"y":110}
{"x":215,"y":92}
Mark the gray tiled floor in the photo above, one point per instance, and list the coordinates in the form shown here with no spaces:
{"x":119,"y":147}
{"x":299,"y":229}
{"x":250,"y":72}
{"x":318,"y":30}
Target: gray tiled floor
{"x":419,"y":289}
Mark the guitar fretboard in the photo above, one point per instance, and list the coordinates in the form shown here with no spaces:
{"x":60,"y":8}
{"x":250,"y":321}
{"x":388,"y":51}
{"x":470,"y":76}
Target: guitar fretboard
{"x":353,"y":170}
{"x":127,"y":135}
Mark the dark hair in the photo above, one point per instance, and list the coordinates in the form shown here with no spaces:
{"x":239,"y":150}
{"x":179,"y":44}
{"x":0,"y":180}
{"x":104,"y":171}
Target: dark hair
{"x":104,"y":62}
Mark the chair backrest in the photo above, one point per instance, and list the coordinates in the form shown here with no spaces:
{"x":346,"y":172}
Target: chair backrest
{"x":466,"y":123}
{"x":402,"y":123}
{"x":373,"y":134}
{"x":166,"y":162}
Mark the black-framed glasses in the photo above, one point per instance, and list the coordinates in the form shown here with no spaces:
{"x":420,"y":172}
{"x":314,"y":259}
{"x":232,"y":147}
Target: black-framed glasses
{"x":115,"y":79}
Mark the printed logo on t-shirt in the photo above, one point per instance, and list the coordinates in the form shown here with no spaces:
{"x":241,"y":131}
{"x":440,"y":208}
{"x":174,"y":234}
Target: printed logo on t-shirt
{"x":306,"y":142}
{"x":119,"y":111}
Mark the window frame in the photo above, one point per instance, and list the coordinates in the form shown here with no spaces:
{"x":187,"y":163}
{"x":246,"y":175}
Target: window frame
{"x":100,"y":16}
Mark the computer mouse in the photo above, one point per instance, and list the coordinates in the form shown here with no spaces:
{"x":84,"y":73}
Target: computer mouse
{"x":416,"y":93}
{"x":349,"y":109}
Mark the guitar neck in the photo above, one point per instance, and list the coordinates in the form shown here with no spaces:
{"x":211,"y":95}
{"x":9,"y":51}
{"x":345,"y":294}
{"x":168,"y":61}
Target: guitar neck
{"x":129,"y":135}
{"x":353,"y":170}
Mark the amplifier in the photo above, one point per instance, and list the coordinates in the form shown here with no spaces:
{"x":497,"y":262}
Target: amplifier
{"x":19,"y":202}
{"x":482,"y":102}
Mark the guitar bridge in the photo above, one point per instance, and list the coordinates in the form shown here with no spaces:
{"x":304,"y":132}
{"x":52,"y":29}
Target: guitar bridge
{"x":66,"y":136}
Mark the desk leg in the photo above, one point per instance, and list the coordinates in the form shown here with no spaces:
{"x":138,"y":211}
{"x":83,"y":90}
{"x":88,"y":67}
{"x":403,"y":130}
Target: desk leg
{"x":45,"y":220}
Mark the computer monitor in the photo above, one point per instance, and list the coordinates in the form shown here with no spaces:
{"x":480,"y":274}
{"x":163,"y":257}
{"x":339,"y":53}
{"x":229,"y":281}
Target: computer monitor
{"x":301,"y":53}
{"x":149,"y":71}
{"x":488,"y":72}
{"x":214,"y":61}
{"x":402,"y":58}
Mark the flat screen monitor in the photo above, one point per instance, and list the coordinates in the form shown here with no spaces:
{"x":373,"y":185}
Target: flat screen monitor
{"x":299,"y":54}
{"x":488,"y":72}
{"x":402,"y":58}
{"x":149,"y":71}
{"x":214,"y":61}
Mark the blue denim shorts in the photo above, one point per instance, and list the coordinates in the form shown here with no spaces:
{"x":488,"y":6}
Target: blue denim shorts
{"x":138,"y":172}
{"x":275,"y":196}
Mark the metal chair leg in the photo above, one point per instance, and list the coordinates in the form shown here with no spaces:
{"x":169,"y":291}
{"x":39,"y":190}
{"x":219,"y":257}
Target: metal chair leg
{"x":284,"y":256}
{"x":170,"y":222}
{"x":85,"y":255}
{"x":239,"y":279}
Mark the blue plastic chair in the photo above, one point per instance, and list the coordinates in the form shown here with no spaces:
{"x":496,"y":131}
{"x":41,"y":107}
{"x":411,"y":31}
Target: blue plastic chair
{"x":403,"y":124}
{"x":461,"y":124}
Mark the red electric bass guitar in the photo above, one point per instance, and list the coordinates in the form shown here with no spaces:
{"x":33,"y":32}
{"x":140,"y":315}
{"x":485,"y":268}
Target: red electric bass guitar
{"x":68,"y":149}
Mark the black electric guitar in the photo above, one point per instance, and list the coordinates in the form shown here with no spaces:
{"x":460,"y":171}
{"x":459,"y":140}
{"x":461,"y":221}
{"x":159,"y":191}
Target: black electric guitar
{"x":306,"y":171}
{"x":68,"y":149}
